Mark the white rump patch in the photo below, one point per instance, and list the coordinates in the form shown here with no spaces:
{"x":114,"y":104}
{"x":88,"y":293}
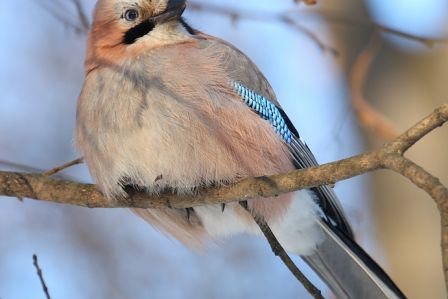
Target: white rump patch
{"x":297,"y":230}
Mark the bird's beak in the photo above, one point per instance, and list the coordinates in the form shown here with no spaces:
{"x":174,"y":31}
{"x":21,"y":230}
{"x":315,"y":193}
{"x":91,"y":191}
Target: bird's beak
{"x":173,"y":11}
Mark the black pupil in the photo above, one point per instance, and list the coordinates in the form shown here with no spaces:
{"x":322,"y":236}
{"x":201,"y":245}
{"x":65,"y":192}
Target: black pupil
{"x":131,"y":15}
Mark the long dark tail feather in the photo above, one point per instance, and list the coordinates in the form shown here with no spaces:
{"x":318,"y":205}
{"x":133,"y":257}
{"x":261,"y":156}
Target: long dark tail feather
{"x":348,"y":270}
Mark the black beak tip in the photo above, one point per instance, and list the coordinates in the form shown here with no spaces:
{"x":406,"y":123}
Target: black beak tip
{"x":176,"y":7}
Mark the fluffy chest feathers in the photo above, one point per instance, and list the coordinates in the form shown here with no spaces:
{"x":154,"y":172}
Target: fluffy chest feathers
{"x":170,"y":118}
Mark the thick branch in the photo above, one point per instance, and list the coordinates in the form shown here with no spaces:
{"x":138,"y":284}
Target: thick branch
{"x":42,"y":187}
{"x":418,"y":176}
{"x":390,"y":156}
{"x":420,"y":130}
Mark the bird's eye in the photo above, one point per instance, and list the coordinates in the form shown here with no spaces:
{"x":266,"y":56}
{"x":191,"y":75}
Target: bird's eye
{"x":130,"y":15}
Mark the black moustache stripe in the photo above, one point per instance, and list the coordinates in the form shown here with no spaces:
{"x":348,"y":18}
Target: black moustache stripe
{"x":138,"y":31}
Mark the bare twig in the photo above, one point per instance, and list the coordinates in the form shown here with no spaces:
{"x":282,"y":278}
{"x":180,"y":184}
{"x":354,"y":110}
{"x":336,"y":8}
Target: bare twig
{"x":283,"y":17}
{"x":81,"y":15}
{"x":368,"y":117}
{"x":80,"y":25}
{"x":338,"y":17}
{"x":427,"y":41}
{"x":41,"y":277}
{"x":19,"y":166}
{"x":239,"y":14}
{"x":389,"y":156}
{"x":63,"y":167}
{"x":332,"y":16}
{"x":280,"y":252}
{"x":41,"y":187}
{"x":311,"y":35}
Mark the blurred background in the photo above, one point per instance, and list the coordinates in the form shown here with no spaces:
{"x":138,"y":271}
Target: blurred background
{"x":105,"y":253}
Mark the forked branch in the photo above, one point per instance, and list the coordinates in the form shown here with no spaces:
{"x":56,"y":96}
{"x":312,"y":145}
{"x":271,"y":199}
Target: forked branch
{"x":40,"y":186}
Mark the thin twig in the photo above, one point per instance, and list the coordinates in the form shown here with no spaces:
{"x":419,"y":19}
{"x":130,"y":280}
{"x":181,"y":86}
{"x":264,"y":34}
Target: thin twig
{"x":239,"y":14}
{"x":330,"y":15}
{"x":427,"y":41}
{"x":313,"y":36}
{"x":338,"y":17}
{"x":368,"y":117}
{"x":16,"y":166}
{"x":279,"y":251}
{"x":19,"y":166}
{"x":41,"y":277}
{"x":82,"y":15}
{"x":282,"y":17}
{"x":58,"y":13}
{"x":63,"y":167}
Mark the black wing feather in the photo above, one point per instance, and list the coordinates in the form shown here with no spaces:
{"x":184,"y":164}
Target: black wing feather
{"x":327,"y":199}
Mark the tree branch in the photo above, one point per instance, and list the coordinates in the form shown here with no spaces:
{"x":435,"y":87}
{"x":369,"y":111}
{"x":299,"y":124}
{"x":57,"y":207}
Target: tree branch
{"x":280,"y":252}
{"x":368,"y":117}
{"x":42,"y":187}
{"x":287,"y":18}
{"x":336,"y":16}
{"x":41,"y":277}
{"x":389,"y":156}
{"x":83,"y":24}
{"x":63,"y":167}
{"x":239,"y":14}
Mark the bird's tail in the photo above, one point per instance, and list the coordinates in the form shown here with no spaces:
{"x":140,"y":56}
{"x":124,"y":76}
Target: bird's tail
{"x":348,"y":270}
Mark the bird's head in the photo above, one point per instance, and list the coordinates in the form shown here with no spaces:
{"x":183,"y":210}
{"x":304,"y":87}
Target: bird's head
{"x":127,"y":27}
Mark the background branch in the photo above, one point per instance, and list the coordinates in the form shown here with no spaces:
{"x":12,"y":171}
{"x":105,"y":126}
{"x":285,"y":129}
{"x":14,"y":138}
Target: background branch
{"x":368,"y":117}
{"x":83,"y":24}
{"x":41,"y":277}
{"x":285,"y":18}
{"x":337,"y":17}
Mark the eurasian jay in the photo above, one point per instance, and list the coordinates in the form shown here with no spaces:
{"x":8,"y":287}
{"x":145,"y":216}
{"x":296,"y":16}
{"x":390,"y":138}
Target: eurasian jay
{"x":166,"y":107}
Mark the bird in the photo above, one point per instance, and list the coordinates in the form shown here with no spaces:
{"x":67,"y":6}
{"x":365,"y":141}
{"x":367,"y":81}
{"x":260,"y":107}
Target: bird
{"x":167,"y":108}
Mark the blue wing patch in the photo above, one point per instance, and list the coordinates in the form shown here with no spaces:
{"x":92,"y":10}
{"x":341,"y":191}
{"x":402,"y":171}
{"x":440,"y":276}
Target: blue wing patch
{"x":300,"y":153}
{"x":266,"y":109}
